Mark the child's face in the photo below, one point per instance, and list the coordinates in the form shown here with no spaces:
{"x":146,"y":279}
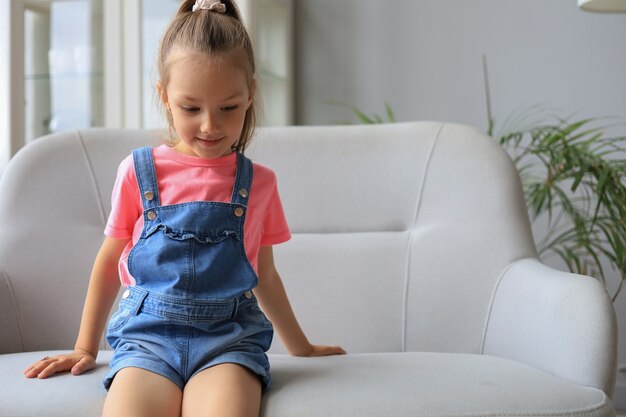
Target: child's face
{"x":208,"y":99}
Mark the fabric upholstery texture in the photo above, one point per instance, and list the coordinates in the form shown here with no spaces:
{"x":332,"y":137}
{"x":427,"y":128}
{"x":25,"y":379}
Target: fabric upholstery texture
{"x":411,"y":249}
{"x":358,"y":385}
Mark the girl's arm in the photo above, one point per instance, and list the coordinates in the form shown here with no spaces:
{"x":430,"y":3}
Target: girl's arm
{"x":104,"y":285}
{"x":275,"y":304}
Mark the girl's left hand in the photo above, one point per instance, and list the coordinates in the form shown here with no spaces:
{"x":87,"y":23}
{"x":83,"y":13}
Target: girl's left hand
{"x":319,"y":350}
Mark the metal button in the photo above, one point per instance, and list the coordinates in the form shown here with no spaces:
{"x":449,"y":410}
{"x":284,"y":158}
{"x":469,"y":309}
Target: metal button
{"x":247,"y":294}
{"x":149,"y":195}
{"x":239,"y":212}
{"x":126,"y":294}
{"x":243,"y":192}
{"x":152,"y":215}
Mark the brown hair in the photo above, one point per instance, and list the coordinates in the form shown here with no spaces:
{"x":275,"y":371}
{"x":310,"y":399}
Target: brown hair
{"x":211,"y":32}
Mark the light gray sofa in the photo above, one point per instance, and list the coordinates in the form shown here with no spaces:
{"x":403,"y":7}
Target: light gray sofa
{"x":411,"y":249}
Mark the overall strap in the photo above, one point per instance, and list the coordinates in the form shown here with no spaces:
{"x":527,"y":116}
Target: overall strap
{"x":243,"y":181}
{"x":146,"y":177}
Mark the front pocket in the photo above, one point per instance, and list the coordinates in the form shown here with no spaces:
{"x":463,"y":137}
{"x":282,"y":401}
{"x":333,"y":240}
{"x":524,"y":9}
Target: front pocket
{"x":252,"y":314}
{"x":119,"y":319}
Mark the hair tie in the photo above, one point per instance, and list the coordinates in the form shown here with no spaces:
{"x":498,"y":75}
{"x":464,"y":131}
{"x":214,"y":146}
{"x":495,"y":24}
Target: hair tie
{"x":213,"y":5}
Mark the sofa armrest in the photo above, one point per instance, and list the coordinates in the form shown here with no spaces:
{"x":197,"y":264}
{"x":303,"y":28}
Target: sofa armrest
{"x":558,"y":322}
{"x":10,"y":335}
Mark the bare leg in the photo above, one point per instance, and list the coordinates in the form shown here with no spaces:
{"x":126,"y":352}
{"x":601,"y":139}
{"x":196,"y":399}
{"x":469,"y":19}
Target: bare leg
{"x":136,"y":392}
{"x":226,"y":390}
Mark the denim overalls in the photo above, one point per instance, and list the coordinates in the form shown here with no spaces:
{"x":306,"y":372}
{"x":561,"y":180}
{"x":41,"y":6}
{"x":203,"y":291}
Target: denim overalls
{"x":192,"y":306}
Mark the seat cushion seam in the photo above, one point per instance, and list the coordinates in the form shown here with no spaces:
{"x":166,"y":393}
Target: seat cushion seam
{"x":418,"y":206}
{"x":92,"y":175}
{"x":16,"y":311}
{"x":493,"y":298}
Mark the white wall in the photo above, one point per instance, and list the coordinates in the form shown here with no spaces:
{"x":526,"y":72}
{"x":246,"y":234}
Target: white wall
{"x":425,"y":58}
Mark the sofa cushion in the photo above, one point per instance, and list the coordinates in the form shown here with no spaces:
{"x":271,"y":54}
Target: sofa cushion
{"x":363,"y":385}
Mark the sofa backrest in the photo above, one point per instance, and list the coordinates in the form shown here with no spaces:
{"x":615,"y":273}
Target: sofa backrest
{"x":400,"y":231}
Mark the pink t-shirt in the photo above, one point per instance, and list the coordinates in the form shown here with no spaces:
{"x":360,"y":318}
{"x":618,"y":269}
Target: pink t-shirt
{"x":183,"y":178}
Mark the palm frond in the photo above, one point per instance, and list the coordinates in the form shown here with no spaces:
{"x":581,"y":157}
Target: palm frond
{"x":582,"y":190}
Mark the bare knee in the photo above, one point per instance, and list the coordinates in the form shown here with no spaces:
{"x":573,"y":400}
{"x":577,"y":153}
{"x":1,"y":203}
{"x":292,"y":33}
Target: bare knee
{"x":137,"y":392}
{"x":226,"y":390}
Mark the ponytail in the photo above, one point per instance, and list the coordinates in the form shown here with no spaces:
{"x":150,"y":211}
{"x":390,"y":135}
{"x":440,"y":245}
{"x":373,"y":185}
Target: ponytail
{"x":230,"y":8}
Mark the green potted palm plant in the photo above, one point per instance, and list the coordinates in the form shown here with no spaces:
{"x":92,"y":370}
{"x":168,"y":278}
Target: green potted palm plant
{"x":574,"y":179}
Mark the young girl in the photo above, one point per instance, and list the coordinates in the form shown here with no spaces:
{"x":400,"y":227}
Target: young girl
{"x":190,"y":235}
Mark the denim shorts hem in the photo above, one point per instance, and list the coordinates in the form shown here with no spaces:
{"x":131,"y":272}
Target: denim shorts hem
{"x":172,"y":376}
{"x":251,"y":365}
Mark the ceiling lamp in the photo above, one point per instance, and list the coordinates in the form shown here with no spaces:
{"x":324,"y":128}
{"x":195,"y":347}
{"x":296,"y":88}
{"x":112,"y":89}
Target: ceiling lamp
{"x":604,"y":6}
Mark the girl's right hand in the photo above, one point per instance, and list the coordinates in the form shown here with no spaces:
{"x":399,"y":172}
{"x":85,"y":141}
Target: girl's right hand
{"x":77,"y":362}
